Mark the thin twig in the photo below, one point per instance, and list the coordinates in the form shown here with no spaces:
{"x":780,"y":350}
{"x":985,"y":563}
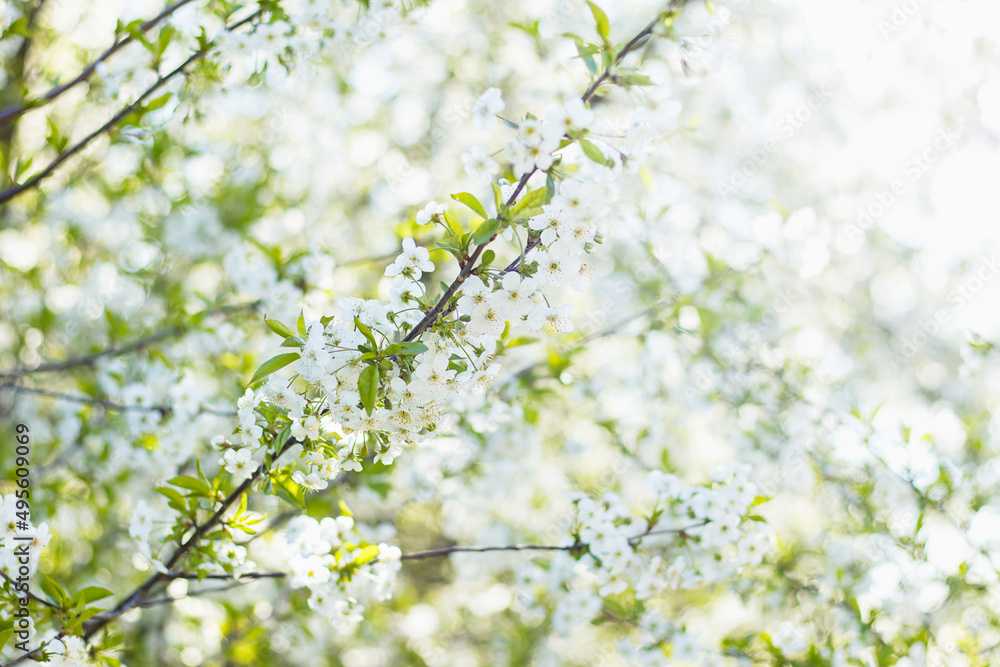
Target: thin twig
{"x":31,"y":596}
{"x":108,"y":404}
{"x":15,"y":111}
{"x":118,"y":350}
{"x":138,"y":596}
{"x":441,"y":307}
{"x":15,"y":190}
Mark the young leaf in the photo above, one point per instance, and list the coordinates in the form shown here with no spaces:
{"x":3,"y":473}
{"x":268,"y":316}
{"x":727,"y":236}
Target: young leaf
{"x":365,"y":555}
{"x":366,"y":332}
{"x":453,"y":225}
{"x":409,"y":348}
{"x":192,"y":484}
{"x":533,"y":199}
{"x":176,"y":499}
{"x":485,"y":231}
{"x":278,"y":328}
{"x":368,"y":387}
{"x":52,"y":588}
{"x":92,"y":593}
{"x":344,"y":509}
{"x":273,"y":364}
{"x":603,"y":27}
{"x":593,"y":152}
{"x":288,"y":490}
{"x":471,"y":202}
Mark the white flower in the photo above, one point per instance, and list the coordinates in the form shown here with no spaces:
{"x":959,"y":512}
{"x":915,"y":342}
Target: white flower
{"x":489,"y":104}
{"x":474,"y":293}
{"x":550,"y":222}
{"x":515,"y":297}
{"x":70,"y":651}
{"x":412,"y":262}
{"x":571,"y":116}
{"x":554,"y":269}
{"x":306,"y":428}
{"x":530,"y":132}
{"x":238,"y":464}
{"x":428,"y":213}
{"x":488,"y":318}
{"x":310,"y":571}
{"x":313,"y":481}
{"x":479,"y":164}
{"x":551,"y":319}
{"x":330,"y":468}
{"x":662,"y":112}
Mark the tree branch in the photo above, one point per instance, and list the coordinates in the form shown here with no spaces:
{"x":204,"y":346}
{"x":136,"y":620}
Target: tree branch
{"x":15,"y":190}
{"x":15,"y":111}
{"x":31,"y":596}
{"x":138,"y":596}
{"x":107,"y":404}
{"x":117,"y":350}
{"x":440,"y":307}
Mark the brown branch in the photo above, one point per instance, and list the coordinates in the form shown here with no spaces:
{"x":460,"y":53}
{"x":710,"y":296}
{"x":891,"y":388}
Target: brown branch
{"x":441,"y":307}
{"x":15,"y":190}
{"x":118,"y":350}
{"x":138,"y":596}
{"x":17,"y":70}
{"x":34,"y":652}
{"x":108,"y":404}
{"x":31,"y":596}
{"x":15,"y":111}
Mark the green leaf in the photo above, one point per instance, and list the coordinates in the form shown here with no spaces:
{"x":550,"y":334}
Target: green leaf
{"x":5,"y":636}
{"x":603,"y":26}
{"x":273,"y":364}
{"x":176,"y":499}
{"x":279,"y":328}
{"x":158,"y":102}
{"x":344,"y":509}
{"x":533,"y":199}
{"x":471,"y":202}
{"x":498,"y":198}
{"x":288,"y":490}
{"x":453,"y":225}
{"x":192,"y":484}
{"x":593,"y":152}
{"x":637,"y":80}
{"x":509,"y":124}
{"x":363,"y":328}
{"x":410,"y":348}
{"x":92,"y":594}
{"x":366,"y":555}
{"x":485,"y":231}
{"x":368,"y":387}
{"x":760,"y":500}
{"x":52,"y":588}
{"x":292,"y":341}
{"x":301,"y":324}
{"x":488,"y":257}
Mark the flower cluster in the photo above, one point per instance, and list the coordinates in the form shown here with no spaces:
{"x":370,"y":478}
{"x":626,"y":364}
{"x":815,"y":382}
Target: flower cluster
{"x":537,"y":139}
{"x":340,"y":570}
{"x":15,"y":522}
{"x":368,"y":388}
{"x":694,"y":535}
